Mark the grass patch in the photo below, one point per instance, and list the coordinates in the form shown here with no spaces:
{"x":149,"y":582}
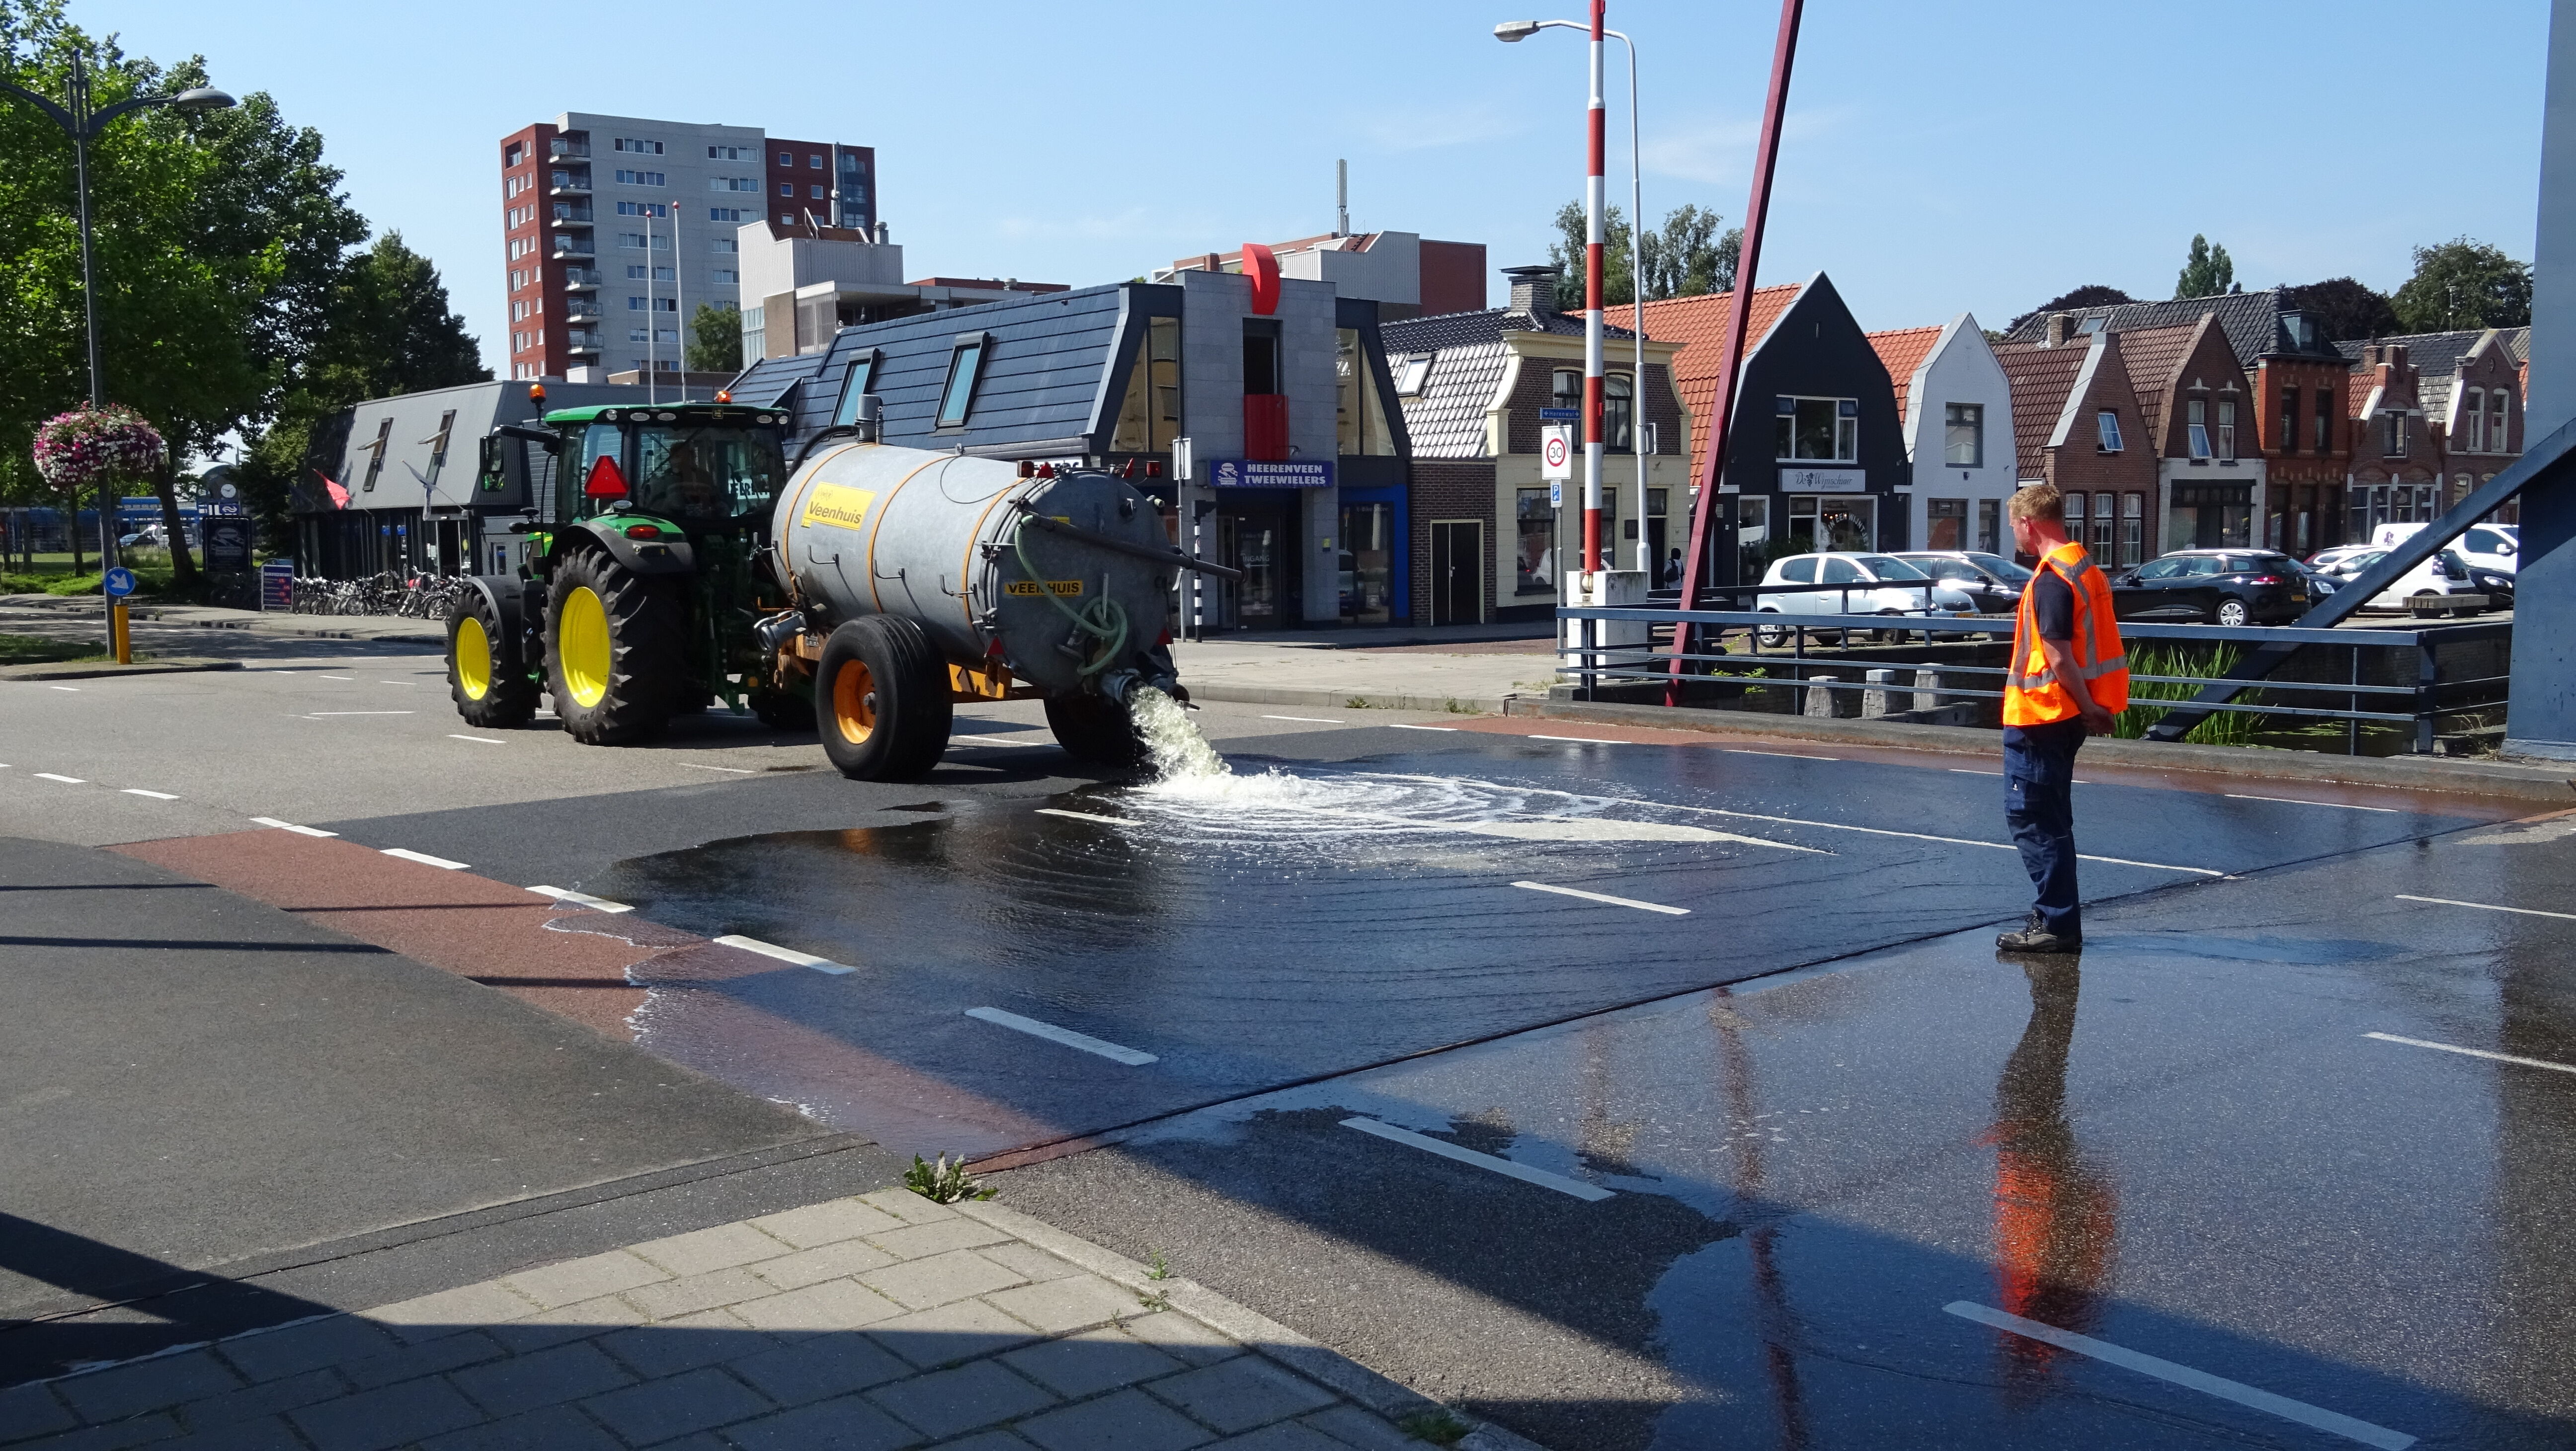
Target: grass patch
{"x":2222,"y":728}
{"x":1440,"y":1428}
{"x":1355,"y":703}
{"x":943,"y":1182}
{"x":31,"y":650}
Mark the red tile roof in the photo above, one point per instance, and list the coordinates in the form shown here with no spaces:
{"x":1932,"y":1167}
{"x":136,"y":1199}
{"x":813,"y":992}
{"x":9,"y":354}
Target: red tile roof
{"x":1903,"y":350}
{"x":2153,"y":354}
{"x":2042,"y":377}
{"x":1699,"y":325}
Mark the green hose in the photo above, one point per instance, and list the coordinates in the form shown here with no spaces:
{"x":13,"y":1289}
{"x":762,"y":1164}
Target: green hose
{"x":1110,"y":626}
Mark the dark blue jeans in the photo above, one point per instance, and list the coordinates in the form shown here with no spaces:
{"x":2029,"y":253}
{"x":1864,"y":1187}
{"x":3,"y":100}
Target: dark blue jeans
{"x":2039,"y":806}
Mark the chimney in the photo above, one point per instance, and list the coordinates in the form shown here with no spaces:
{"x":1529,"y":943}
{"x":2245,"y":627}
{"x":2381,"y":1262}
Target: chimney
{"x":1533,"y":291}
{"x":885,"y":234}
{"x":2397,"y":355}
{"x":2370,"y":355}
{"x":2061,"y":326}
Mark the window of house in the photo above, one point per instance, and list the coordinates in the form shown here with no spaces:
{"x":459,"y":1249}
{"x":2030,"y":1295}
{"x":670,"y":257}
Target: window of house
{"x":723,"y":244}
{"x":1990,"y":525}
{"x":1565,"y":390}
{"x":2075,"y":517}
{"x":965,"y":364}
{"x":1534,"y":557}
{"x":1963,"y":441}
{"x":2325,"y":420}
{"x":628,"y":143}
{"x":1945,"y":522}
{"x":1411,"y":373}
{"x":814,"y":162}
{"x":2227,"y":428}
{"x":787,"y":158}
{"x":2289,"y":420}
{"x":854,"y":386}
{"x":724,"y":214}
{"x":2473,"y":420}
{"x":2392,"y":435}
{"x":2499,"y":416}
{"x":1752,"y":533}
{"x":2106,"y":430}
{"x":376,"y":462}
{"x":724,"y":276}
{"x":732,"y":153}
{"x":787,"y":188}
{"x":2196,"y":426}
{"x":1824,"y":429}
{"x":786,"y":219}
{"x":638,"y":209}
{"x":514,"y":154}
{"x":2133,"y":528}
{"x":1619,"y":413}
{"x":817,"y":190}
{"x":641,"y":178}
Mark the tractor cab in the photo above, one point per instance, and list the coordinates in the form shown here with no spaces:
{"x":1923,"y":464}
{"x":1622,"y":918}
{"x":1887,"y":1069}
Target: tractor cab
{"x":691,"y":468}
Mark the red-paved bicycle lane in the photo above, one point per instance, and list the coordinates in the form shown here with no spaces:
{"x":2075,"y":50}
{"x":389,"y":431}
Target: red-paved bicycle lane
{"x":598,"y":969}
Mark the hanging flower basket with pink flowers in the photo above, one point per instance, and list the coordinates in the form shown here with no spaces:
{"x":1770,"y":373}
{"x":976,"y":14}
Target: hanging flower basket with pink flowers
{"x":88,"y":447}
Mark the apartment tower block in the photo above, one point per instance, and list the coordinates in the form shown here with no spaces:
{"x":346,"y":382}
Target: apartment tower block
{"x":616,"y":228}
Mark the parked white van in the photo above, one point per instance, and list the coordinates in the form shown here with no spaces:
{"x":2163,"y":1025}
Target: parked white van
{"x":2484,"y":546}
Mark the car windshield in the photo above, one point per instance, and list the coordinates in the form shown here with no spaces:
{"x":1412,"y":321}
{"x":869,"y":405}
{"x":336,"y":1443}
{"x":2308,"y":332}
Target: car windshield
{"x":1940,"y":568}
{"x":708,"y":471}
{"x":1888,"y":566}
{"x":2007,"y":570}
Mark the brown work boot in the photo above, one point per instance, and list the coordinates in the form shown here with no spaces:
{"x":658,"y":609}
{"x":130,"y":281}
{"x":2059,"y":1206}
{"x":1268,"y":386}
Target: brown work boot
{"x":2032,"y":937}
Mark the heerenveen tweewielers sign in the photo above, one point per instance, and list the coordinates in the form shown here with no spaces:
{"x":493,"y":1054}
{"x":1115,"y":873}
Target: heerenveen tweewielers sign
{"x":1235,"y":473}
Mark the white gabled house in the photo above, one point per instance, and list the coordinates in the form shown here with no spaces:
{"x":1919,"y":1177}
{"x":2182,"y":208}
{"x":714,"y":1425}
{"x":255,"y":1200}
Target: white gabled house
{"x":1954,"y":405}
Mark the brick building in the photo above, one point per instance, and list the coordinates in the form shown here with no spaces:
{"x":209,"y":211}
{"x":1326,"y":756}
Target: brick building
{"x":2469,"y":384}
{"x":2077,"y":424}
{"x":2397,"y":463}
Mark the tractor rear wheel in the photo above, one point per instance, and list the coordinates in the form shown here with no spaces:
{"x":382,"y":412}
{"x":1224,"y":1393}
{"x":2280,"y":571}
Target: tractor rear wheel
{"x":485,"y":676}
{"x":881,"y":700}
{"x":1094,"y":728}
{"x":613,"y":651}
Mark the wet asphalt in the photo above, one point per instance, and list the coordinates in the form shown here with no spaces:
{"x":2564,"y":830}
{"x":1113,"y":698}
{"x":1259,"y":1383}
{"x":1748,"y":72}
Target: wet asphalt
{"x":1800,"y":1143}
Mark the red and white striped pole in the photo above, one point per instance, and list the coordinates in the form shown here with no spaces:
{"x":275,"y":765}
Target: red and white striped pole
{"x":1592,"y":226}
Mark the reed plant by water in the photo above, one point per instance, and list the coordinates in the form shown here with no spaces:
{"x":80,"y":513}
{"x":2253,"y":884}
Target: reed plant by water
{"x":2222,"y":728}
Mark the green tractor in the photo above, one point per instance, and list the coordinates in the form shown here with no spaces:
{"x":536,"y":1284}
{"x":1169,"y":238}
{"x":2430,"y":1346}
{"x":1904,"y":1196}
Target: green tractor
{"x":648,"y":528}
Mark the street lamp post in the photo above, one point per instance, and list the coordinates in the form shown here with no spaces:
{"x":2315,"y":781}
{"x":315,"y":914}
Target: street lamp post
{"x":1519,"y":30}
{"x":83,"y":123}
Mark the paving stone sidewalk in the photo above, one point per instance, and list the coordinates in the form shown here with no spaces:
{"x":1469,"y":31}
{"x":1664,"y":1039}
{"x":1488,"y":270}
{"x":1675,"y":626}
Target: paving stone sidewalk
{"x":861,"y":1324}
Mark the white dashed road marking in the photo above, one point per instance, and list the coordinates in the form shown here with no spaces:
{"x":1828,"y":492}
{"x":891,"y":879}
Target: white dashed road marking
{"x":1401,"y":726}
{"x":1308,"y":719}
{"x":155,"y":795}
{"x":424,"y":858}
{"x":581,"y":899}
{"x":66,"y":780}
{"x":2490,"y":907}
{"x":1068,"y":1037}
{"x":787,"y":954}
{"x":1783,"y":755}
{"x":1488,"y":1162}
{"x":2183,"y":1375}
{"x":74,"y":689}
{"x":291,"y":826}
{"x":1087,"y":816}
{"x":2474,"y":1052}
{"x":728,"y":770}
{"x":479,"y":740}
{"x":1585,"y":740}
{"x":1605,"y":897}
{"x":2295,"y":801}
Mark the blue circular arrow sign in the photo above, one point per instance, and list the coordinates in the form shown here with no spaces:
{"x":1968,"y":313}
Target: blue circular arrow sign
{"x":119,"y":583}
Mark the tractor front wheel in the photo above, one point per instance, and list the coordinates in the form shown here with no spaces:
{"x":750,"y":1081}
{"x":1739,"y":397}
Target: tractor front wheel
{"x":613,"y":652}
{"x":485,"y":677}
{"x":881,"y":700}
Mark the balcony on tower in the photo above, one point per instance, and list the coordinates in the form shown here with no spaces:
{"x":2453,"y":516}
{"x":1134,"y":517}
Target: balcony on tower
{"x":568,"y":182}
{"x":574,"y":147}
{"x":581,"y":279}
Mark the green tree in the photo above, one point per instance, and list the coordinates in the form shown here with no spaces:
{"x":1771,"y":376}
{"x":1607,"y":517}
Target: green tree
{"x":2463,"y":284}
{"x":715,"y":339}
{"x":2207,"y":271}
{"x":1618,"y":284}
{"x":2077,"y":299}
{"x":2343,"y":308}
{"x":1689,"y":257}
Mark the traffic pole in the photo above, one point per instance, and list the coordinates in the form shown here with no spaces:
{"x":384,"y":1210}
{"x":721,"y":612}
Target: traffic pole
{"x":1592,"y":249}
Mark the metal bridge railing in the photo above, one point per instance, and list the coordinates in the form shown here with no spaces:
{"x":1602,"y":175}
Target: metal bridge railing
{"x":2407,"y":688}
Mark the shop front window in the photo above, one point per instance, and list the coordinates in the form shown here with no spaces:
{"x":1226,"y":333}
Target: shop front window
{"x":1826,"y":522}
{"x":1368,"y":564}
{"x":1752,"y":536}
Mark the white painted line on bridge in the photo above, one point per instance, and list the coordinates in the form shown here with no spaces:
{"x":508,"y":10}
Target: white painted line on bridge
{"x":1489,"y":1162}
{"x":424,"y":858}
{"x":2474,"y":1052}
{"x":1584,"y":740}
{"x":2489,"y":907}
{"x":291,"y":826}
{"x":1972,"y":771}
{"x":335,"y":677}
{"x":480,"y":740}
{"x":1308,"y":719}
{"x":1401,"y":726}
{"x":2295,"y":801}
{"x":1605,"y":897}
{"x":66,"y":780}
{"x":788,"y":954}
{"x":398,"y":682}
{"x":1914,"y":836}
{"x":1133,"y":1058}
{"x":2182,"y":1375}
{"x":74,"y":689}
{"x":581,"y":899}
{"x":1783,"y":755}
{"x":1087,"y":816}
{"x":993,"y":741}
{"x":155,"y":795}
{"x":728,"y":770}
{"x":2121,"y":861}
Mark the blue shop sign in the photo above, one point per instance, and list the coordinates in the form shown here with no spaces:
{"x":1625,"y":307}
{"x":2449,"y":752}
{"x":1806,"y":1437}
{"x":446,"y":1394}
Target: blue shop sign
{"x":1235,"y":473}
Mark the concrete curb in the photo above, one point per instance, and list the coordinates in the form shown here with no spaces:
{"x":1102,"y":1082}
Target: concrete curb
{"x":2540,"y":784}
{"x":1266,"y":1336}
{"x":1341,"y":699}
{"x":95,"y":669}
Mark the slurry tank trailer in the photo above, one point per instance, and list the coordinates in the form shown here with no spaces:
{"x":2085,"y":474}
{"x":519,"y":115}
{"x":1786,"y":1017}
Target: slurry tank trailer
{"x":876,"y":587}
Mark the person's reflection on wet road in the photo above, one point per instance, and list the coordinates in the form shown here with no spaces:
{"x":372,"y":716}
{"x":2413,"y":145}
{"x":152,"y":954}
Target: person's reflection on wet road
{"x":2056,"y":1215}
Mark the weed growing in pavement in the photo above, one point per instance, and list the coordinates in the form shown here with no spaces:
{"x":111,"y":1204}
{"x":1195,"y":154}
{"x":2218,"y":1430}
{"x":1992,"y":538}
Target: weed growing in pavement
{"x":1440,"y":1428}
{"x":1455,"y":706}
{"x":943,"y":1182}
{"x":1159,"y":1269}
{"x":1157,"y":1303}
{"x":1355,"y":703}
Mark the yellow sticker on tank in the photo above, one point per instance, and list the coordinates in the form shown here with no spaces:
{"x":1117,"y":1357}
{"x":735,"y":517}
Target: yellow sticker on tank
{"x":838,"y":505}
{"x":1053,"y":587}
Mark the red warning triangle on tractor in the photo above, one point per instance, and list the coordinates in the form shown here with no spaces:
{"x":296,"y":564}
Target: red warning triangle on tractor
{"x":606,"y":480}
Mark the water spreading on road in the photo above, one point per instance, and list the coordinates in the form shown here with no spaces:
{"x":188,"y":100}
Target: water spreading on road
{"x":1172,"y":743}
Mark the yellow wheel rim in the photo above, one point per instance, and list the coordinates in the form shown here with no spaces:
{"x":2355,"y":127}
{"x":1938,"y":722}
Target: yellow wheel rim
{"x":473,"y":658}
{"x":854,"y":703}
{"x":581,"y":643}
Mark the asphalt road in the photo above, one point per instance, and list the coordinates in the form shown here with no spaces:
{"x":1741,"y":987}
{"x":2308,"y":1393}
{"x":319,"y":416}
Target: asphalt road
{"x":1784,"y":1129}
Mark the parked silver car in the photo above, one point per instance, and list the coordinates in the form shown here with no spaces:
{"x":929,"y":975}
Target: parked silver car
{"x":1855,"y":584}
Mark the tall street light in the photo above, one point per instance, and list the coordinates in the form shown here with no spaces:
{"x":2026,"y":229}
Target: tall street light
{"x":83,"y":123}
{"x":1513,"y":32}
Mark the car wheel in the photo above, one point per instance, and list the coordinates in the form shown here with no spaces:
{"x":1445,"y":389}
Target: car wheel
{"x":1771,"y":637}
{"x":2231,"y":613}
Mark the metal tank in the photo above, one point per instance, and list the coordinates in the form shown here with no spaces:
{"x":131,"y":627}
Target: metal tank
{"x":1063,"y":577}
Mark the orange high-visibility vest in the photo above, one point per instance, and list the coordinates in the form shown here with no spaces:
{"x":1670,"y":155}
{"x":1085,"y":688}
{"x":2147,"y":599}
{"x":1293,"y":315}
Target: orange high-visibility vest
{"x":2033,"y":695}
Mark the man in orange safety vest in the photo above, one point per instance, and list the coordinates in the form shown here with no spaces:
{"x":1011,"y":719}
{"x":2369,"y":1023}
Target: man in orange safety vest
{"x":2069,"y":679}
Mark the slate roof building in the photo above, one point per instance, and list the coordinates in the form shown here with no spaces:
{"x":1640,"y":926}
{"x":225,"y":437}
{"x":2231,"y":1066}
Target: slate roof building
{"x":1299,"y":449}
{"x":1815,"y":455}
{"x":1955,"y":405}
{"x":1496,"y":538}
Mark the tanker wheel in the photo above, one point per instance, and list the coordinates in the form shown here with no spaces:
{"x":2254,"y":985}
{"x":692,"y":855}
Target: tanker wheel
{"x":881,"y":700}
{"x":484,"y":677}
{"x":1094,"y":728}
{"x":613,"y":651}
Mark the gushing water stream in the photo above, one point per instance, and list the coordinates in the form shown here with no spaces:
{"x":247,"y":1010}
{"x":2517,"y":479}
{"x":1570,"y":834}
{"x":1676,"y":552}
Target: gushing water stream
{"x":1172,"y":743}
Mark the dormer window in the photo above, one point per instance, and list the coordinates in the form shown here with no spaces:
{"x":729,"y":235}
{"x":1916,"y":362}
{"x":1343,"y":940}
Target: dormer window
{"x":2473,"y":421}
{"x":2499,"y":417}
{"x":2392,"y":435}
{"x":965,"y":365}
{"x":2227,"y":428}
{"x":2106,"y":430}
{"x":2197,"y":412}
{"x":1411,"y":373}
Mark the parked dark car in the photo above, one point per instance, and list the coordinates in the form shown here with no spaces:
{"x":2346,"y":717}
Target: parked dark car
{"x":1990,"y":581}
{"x":2215,"y":587}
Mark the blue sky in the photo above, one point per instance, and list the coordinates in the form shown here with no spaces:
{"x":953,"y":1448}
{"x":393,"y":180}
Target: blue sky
{"x":1938,"y":158}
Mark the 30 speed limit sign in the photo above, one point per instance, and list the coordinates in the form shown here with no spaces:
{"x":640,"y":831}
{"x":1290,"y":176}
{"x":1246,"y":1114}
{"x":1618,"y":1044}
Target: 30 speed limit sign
{"x":1556,"y":451}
